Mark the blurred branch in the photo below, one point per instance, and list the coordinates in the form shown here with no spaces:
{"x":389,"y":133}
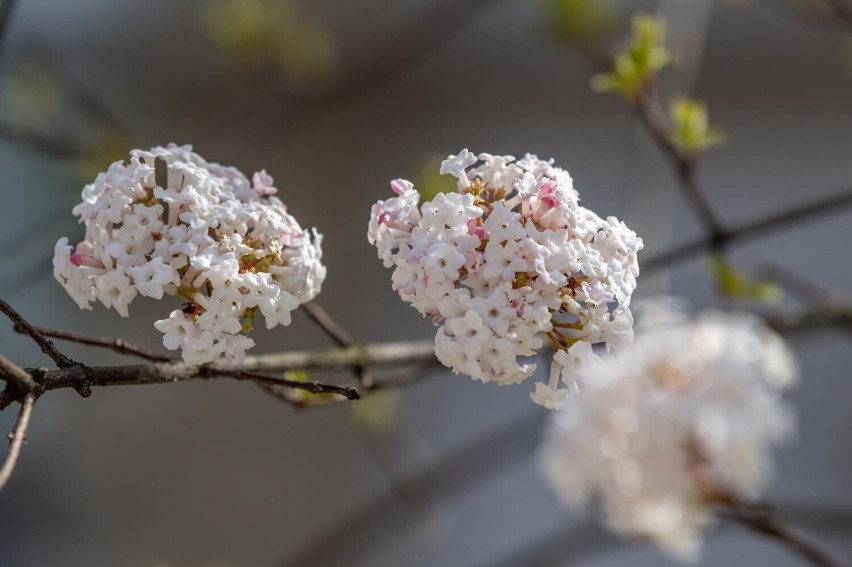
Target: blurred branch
{"x":803,"y":289}
{"x":824,"y":314}
{"x":841,"y":10}
{"x":459,"y":473}
{"x":46,"y":145}
{"x":750,"y":230}
{"x":67,"y":142}
{"x":438,"y":24}
{"x":684,"y":164}
{"x":16,"y":439}
{"x":6,"y":9}
{"x":760,"y":519}
{"x":574,"y":544}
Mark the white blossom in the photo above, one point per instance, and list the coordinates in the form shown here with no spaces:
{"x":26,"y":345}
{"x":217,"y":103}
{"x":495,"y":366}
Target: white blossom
{"x":509,"y":259}
{"x":677,"y":424}
{"x":222,"y":243}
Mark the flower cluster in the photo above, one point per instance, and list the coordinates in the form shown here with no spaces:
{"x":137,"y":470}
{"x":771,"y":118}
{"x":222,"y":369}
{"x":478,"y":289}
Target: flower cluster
{"x":509,"y":259}
{"x":681,"y":422}
{"x":203,"y":232}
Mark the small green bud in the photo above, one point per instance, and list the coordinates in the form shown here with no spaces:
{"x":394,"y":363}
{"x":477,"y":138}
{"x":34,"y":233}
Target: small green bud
{"x":690,"y":129}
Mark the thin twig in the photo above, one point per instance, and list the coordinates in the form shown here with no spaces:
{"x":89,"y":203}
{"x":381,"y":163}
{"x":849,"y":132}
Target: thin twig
{"x":684,"y":165}
{"x":311,"y":387}
{"x":803,"y":289}
{"x":751,"y":230}
{"x":83,"y":378}
{"x":339,"y":335}
{"x":760,"y":520}
{"x":320,"y":316}
{"x":118,"y":345}
{"x":16,"y":439}
{"x":45,"y":344}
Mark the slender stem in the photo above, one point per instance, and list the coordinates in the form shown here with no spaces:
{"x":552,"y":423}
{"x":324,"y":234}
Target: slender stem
{"x":118,"y":345}
{"x":760,"y":520}
{"x":684,"y":165}
{"x":310,"y":386}
{"x":45,"y":344}
{"x":339,"y":335}
{"x":331,"y":328}
{"x":16,"y":438}
{"x":751,"y":230}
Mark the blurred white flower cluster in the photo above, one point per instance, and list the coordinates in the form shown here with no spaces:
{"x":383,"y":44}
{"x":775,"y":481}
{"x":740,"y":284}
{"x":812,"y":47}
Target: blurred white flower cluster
{"x":678,"y":424}
{"x":207,"y":234}
{"x":507,"y":260}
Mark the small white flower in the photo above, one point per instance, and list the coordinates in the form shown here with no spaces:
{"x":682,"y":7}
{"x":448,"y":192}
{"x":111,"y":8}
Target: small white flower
{"x":456,"y":166}
{"x":507,"y":261}
{"x":226,"y":246}
{"x":546,"y":396}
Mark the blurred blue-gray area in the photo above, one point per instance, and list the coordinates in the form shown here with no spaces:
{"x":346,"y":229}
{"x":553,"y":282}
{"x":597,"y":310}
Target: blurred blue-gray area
{"x":217,"y":473}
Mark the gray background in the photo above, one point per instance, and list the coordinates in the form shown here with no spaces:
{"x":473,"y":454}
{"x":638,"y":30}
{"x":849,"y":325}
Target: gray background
{"x":220,"y":474}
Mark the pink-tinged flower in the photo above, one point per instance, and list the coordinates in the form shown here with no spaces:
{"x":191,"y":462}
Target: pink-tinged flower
{"x":262,"y":183}
{"x":514,"y":250}
{"x":227,"y":247}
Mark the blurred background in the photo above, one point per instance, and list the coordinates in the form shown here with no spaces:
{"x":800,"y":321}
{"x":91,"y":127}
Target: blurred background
{"x":335,"y":98}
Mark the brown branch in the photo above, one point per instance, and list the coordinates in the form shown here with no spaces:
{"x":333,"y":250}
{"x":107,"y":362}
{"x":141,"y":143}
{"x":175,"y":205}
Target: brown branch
{"x":16,"y":376}
{"x":684,"y":164}
{"x":751,"y":230}
{"x":45,"y":344}
{"x":118,"y":345}
{"x":339,"y":335}
{"x":320,"y":316}
{"x":82,"y":379}
{"x":760,"y":520}
{"x":16,"y":439}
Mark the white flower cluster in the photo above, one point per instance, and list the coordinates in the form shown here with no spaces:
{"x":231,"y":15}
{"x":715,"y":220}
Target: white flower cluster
{"x":681,"y":422}
{"x":207,"y":234}
{"x":508,"y":259}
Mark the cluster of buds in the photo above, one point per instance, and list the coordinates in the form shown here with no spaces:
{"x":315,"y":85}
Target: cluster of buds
{"x":507,"y":262}
{"x":678,"y":425}
{"x":205,"y":233}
